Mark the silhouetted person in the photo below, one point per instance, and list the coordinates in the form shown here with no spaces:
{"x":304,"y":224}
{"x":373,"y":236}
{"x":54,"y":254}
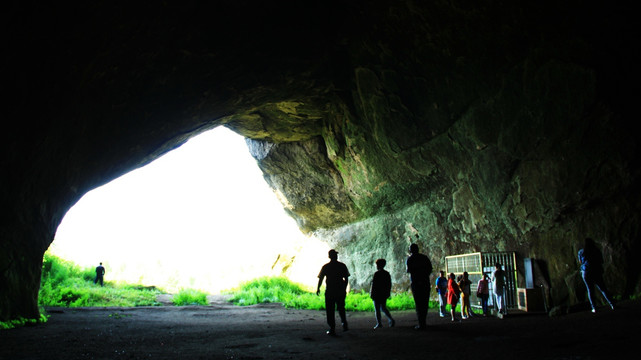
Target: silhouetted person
{"x":441,"y":290}
{"x":100,"y":274}
{"x":453,"y":294}
{"x":498,"y":283}
{"x":465,"y":286}
{"x":335,"y":290}
{"x":591,"y":261}
{"x":483,"y":293}
{"x":380,"y":292}
{"x":419,"y":267}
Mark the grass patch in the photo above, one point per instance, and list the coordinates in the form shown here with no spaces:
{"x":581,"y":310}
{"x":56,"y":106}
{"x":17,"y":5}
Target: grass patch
{"x":190,"y":297}
{"x":267,"y":289}
{"x":5,"y":325}
{"x":66,"y":284}
{"x":292,"y":295}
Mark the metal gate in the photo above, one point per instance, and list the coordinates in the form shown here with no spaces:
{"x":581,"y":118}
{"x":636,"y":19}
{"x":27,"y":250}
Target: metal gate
{"x":476,"y":264}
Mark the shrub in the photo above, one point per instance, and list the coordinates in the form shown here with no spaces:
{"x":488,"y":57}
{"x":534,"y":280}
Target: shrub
{"x":292,"y":295}
{"x":190,"y":297}
{"x":266,"y":290}
{"x":404,"y":301}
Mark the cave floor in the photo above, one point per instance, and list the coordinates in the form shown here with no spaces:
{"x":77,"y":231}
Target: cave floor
{"x":223,"y":331}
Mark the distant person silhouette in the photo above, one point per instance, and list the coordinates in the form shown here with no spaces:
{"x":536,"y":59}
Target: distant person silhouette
{"x":483,"y":293}
{"x":335,"y":290}
{"x":441,"y":290}
{"x":419,"y":267}
{"x":498,"y":283}
{"x":453,"y":294}
{"x":380,"y":292}
{"x":100,"y":274}
{"x":465,"y":286}
{"x":591,"y":261}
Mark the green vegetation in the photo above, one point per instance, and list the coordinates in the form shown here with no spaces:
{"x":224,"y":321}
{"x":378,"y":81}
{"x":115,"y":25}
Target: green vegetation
{"x":5,"y":325}
{"x":67,"y":284}
{"x":190,"y":297}
{"x":292,"y":295}
{"x":633,"y":297}
{"x":269,"y":290}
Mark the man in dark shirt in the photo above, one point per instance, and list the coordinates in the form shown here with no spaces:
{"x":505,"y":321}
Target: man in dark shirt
{"x":419,"y":267}
{"x":100,"y":273}
{"x":336,"y":273}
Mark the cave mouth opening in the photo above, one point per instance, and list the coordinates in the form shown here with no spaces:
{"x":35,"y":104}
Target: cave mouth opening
{"x":200,"y":217}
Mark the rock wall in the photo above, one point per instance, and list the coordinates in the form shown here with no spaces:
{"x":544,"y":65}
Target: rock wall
{"x":504,"y":136}
{"x":497,"y":126}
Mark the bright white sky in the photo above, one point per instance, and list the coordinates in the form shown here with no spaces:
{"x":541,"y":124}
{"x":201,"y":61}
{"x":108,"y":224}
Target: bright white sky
{"x":201,"y":216}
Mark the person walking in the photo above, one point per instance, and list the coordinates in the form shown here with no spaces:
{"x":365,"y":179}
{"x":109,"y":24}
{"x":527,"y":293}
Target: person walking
{"x":591,"y":261}
{"x":453,"y":294}
{"x":483,"y":293}
{"x":419,"y":267}
{"x":498,"y":283}
{"x":441,"y":291}
{"x":380,"y":292}
{"x":465,"y":286}
{"x":335,"y":290}
{"x":100,"y":274}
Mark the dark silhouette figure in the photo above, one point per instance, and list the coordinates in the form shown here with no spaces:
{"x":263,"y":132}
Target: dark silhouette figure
{"x":453,"y":294}
{"x":335,"y":290}
{"x":100,"y":274}
{"x":419,"y":267}
{"x":591,"y":261}
{"x":483,"y":293}
{"x":380,"y":292}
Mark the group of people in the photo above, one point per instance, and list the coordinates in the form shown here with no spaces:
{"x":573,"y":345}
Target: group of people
{"x":450,"y":291}
{"x":453,"y":290}
{"x":336,"y":274}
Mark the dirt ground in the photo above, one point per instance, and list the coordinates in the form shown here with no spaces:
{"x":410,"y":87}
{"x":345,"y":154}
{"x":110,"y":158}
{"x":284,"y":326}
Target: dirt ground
{"x":223,"y":331}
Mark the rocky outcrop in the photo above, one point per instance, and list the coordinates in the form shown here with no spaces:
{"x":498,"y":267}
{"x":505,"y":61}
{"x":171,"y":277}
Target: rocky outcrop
{"x":491,"y":127}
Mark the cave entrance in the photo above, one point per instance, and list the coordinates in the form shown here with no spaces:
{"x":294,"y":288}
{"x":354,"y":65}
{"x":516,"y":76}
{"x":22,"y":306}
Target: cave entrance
{"x":201,"y":216}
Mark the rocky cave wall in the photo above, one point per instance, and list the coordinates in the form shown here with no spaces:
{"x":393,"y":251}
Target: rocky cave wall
{"x":481,"y":127}
{"x":509,"y":136}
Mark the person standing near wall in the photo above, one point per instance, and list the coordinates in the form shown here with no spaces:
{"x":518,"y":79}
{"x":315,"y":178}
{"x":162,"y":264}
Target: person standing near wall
{"x":466,"y":306}
{"x":453,"y":294}
{"x":498,"y":282}
{"x":335,"y":290}
{"x":591,"y":261}
{"x":483,"y":293}
{"x":419,"y":267}
{"x":441,"y":291}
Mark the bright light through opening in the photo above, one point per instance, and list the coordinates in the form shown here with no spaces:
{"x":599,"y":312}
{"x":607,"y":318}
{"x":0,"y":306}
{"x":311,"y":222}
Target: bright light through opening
{"x":202,"y":217}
